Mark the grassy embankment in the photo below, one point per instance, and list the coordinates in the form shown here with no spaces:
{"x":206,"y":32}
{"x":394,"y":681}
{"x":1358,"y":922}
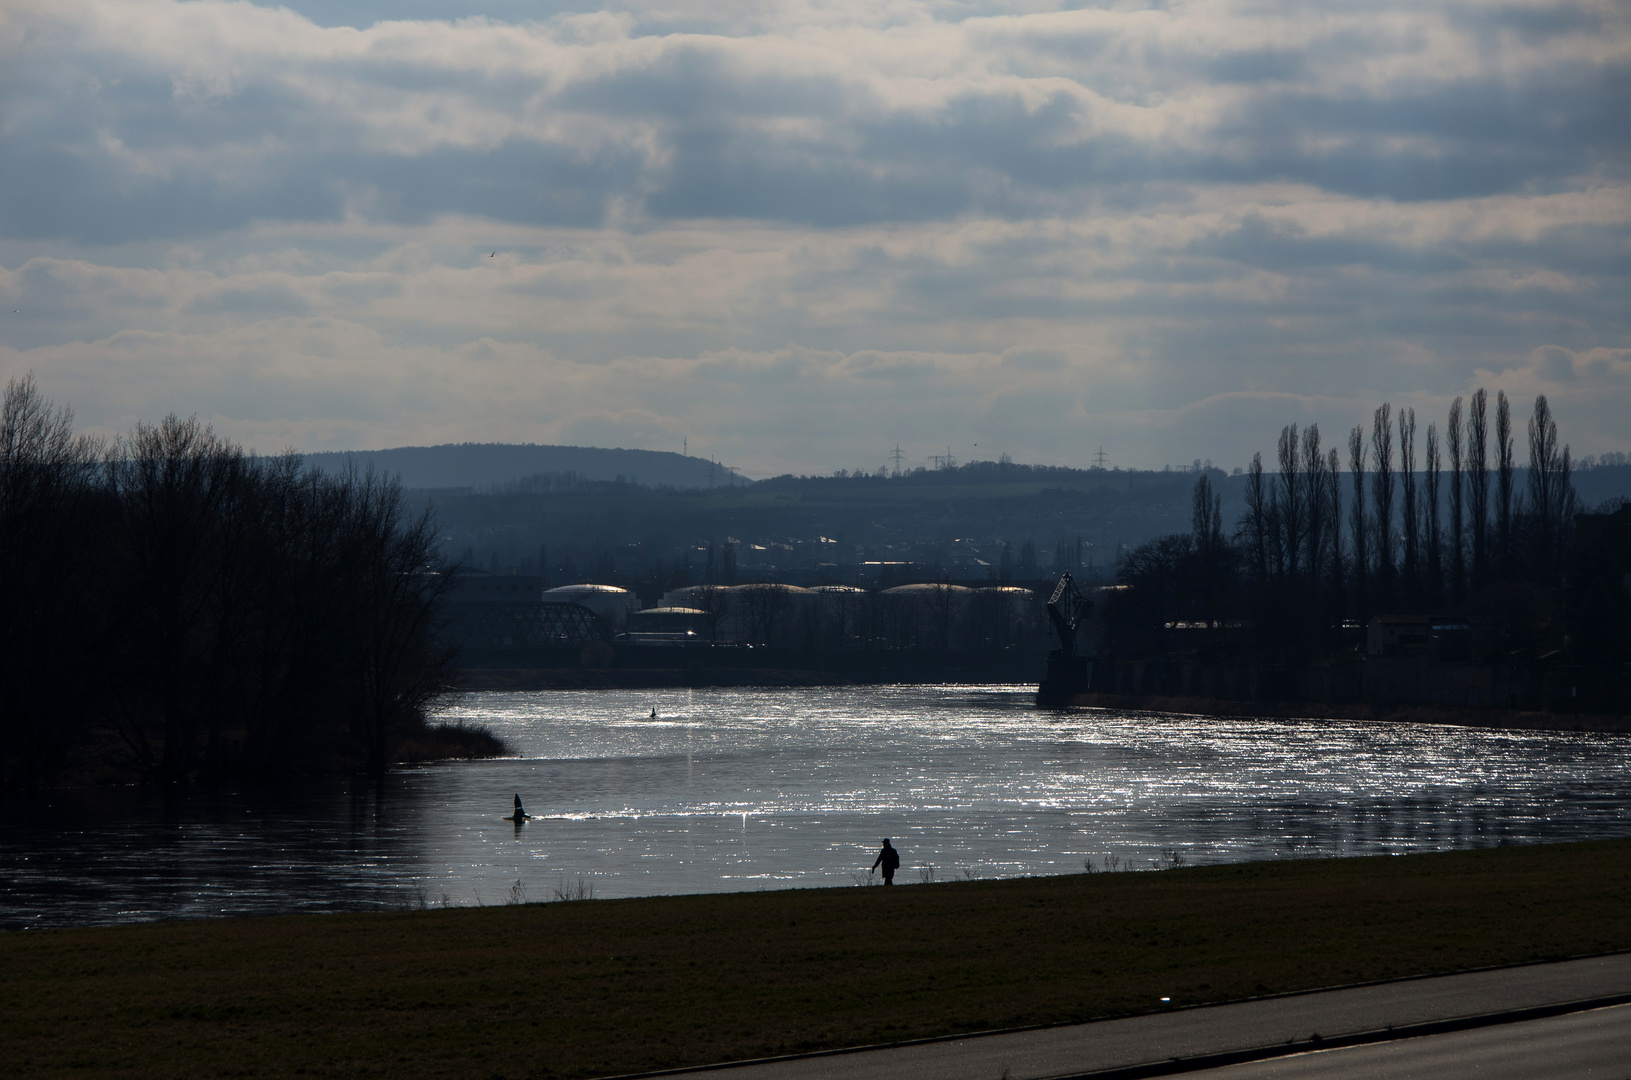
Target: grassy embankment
{"x":604,"y":987}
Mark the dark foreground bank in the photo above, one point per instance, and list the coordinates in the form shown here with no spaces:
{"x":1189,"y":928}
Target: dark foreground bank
{"x":604,"y":987}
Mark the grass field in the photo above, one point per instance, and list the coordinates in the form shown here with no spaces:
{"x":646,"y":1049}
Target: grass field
{"x":602,"y":987}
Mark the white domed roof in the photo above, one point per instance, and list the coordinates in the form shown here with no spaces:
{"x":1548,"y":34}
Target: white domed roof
{"x":585,"y":589}
{"x":928,"y":588}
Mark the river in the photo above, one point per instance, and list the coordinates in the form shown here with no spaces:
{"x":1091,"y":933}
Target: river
{"x":765,"y":789}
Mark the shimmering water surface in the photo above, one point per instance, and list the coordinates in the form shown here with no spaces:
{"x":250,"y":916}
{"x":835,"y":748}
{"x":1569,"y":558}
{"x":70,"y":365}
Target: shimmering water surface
{"x":750,"y":789}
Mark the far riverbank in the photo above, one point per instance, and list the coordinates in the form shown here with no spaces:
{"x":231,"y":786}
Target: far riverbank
{"x":681,"y":677}
{"x":1495,"y":719}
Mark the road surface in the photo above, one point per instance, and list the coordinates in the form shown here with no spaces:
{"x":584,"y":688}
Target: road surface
{"x":1199,"y":1038}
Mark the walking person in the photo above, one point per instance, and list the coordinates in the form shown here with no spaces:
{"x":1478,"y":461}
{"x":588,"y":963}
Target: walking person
{"x":889,"y":860}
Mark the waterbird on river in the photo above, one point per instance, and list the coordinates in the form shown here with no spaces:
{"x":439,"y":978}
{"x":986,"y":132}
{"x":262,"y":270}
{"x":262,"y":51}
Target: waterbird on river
{"x":520,"y":813}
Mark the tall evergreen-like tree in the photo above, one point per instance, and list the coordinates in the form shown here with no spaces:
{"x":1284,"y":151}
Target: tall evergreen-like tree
{"x":1257,"y":517}
{"x":1458,"y":516}
{"x":1430,"y":518}
{"x":1381,"y":443}
{"x":1314,"y":481}
{"x":1503,"y":479}
{"x":1211,"y":550}
{"x":1551,"y":491}
{"x":1408,"y":510}
{"x":1478,"y":485}
{"x":1358,"y":521}
{"x":1333,"y":485}
{"x":1292,"y":505}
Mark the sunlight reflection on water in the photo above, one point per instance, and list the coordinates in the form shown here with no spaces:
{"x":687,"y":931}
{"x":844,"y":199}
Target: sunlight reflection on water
{"x":744,"y":789}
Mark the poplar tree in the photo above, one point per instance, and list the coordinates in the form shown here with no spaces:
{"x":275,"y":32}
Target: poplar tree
{"x":1503,"y":479}
{"x":1408,"y":509}
{"x":1357,"y":521}
{"x":1430,"y":517}
{"x":1291,"y":501}
{"x":1478,"y":485}
{"x":1551,"y":493}
{"x":1257,"y":517}
{"x":1333,"y":476}
{"x":1458,"y":539}
{"x":1314,"y":481}
{"x":1381,"y":440}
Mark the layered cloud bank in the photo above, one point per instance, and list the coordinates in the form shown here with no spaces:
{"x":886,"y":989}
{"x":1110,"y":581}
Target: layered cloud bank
{"x":798,"y":235}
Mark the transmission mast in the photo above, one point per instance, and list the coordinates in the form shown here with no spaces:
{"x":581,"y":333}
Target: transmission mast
{"x":1099,"y":459}
{"x":897,"y":456}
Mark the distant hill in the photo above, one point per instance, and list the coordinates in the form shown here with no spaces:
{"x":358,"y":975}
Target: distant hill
{"x":494,"y":466}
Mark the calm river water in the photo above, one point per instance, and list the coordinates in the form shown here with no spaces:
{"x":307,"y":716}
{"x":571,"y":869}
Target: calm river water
{"x":769,"y":789}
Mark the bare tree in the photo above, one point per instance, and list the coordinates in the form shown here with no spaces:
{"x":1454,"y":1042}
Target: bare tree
{"x":1381,"y":441}
{"x":48,"y":518}
{"x":941,"y":604}
{"x":714,"y":601}
{"x":1458,"y":516}
{"x":1358,"y":522}
{"x":1551,"y":494}
{"x":1257,"y":517}
{"x":1291,"y":501}
{"x":1333,"y":476}
{"x":764,"y":606}
{"x":1206,"y":524}
{"x":1503,"y":478}
{"x":1408,"y":508}
{"x":1478,"y":484}
{"x":1430,"y":516}
{"x":1314,"y":483}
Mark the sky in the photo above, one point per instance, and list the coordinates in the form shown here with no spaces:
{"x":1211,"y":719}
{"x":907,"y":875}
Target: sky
{"x":792,"y":235}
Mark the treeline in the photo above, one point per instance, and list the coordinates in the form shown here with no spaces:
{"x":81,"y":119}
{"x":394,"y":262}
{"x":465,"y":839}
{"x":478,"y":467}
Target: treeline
{"x":180,"y":609}
{"x":1002,"y":471}
{"x":1394,"y":521}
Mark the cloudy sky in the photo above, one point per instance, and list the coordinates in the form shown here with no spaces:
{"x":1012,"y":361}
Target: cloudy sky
{"x":799,"y":233}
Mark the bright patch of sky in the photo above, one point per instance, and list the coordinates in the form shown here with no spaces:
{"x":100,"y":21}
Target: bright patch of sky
{"x":797,"y":234}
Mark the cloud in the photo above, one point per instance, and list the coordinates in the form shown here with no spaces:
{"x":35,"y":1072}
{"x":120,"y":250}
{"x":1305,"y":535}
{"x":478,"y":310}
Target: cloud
{"x":784,"y":228}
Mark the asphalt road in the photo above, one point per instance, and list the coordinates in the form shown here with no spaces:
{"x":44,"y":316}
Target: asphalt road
{"x":1270,"y":1024}
{"x":1594,"y":1045}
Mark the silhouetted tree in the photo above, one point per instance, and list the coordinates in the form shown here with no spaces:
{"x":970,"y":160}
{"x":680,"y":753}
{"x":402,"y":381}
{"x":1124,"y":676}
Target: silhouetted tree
{"x":1358,"y":521}
{"x":1381,"y":442}
{"x":1478,"y":486}
{"x":1458,"y":516}
{"x":1333,"y":476}
{"x":1292,"y":504}
{"x":1503,"y":479}
{"x":50,"y":521}
{"x":1430,"y":517}
{"x":1314,"y":482}
{"x":1212,"y":550}
{"x":1256,"y":520}
{"x":1551,"y":493}
{"x":1408,"y":509}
